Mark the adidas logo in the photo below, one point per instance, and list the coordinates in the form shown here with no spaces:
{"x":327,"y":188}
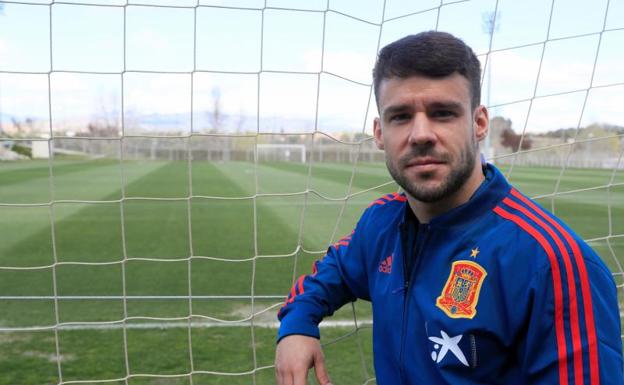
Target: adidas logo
{"x":386,"y":265}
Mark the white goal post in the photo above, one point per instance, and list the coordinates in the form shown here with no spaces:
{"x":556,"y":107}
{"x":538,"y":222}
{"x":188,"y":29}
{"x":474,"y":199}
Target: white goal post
{"x":281,"y":153}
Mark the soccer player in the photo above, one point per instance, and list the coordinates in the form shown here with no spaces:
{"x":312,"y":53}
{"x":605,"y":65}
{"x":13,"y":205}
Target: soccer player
{"x":470,"y":281}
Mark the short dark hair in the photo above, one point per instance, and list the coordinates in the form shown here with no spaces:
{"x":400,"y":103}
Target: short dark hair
{"x":431,"y":54}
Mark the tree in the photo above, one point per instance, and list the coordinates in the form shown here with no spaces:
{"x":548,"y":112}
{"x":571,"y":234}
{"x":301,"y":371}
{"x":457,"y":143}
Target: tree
{"x":501,"y":127}
{"x":106,"y":122}
{"x":216,"y":116}
{"x":25,"y":127}
{"x":514,"y":141}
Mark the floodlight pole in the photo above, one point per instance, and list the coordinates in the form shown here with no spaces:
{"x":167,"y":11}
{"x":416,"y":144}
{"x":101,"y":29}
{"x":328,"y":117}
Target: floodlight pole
{"x":491,"y":23}
{"x":1,"y":126}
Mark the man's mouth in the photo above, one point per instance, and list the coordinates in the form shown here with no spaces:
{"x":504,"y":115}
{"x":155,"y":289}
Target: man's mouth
{"x":424,"y":163}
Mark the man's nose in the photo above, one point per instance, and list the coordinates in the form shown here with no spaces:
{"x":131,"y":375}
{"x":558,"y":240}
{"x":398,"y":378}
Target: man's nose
{"x":421,"y":130}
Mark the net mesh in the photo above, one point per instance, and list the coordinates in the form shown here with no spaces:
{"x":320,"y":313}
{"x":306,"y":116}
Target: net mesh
{"x":127,"y":306}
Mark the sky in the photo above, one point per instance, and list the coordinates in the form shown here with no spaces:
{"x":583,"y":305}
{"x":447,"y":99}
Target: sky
{"x":295,"y":65}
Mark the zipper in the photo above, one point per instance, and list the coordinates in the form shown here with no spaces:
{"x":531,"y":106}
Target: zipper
{"x":406,"y":286}
{"x":403,"y":331}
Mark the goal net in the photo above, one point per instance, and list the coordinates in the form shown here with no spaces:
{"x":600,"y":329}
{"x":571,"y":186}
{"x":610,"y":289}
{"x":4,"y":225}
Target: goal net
{"x":199,"y":155}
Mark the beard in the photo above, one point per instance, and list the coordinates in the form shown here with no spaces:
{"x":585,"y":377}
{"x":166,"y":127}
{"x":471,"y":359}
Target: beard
{"x":456,"y":178}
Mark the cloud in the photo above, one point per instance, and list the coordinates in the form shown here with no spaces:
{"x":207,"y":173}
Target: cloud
{"x":355,"y":66}
{"x":158,"y":93}
{"x":149,"y":40}
{"x":24,"y":95}
{"x":4,"y":52}
{"x":514,"y":75}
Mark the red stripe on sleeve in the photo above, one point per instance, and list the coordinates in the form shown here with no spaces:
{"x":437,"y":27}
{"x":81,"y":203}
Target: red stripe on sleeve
{"x":556,"y":277}
{"x":286,"y":302}
{"x":585,"y":290}
{"x":388,"y":198}
{"x":293,"y":289}
{"x":341,"y":243}
{"x":300,"y":284}
{"x":401,"y":198}
{"x":377,"y":202}
{"x":292,"y":295}
{"x":577,"y":349}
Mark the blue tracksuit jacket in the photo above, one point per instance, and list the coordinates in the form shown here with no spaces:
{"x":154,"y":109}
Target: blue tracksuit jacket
{"x":496,"y":291}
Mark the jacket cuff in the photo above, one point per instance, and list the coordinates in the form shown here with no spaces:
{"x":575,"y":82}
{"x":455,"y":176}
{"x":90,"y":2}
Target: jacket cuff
{"x":300,"y":320}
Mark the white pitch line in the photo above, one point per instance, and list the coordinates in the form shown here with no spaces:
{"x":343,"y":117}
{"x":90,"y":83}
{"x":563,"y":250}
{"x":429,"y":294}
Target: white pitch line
{"x":176,"y":325}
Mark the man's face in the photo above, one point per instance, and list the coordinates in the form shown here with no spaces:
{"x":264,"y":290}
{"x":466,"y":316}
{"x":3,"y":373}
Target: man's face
{"x":430,"y":134}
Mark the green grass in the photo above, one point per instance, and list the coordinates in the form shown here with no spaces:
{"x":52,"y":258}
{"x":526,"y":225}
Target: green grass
{"x":100,"y":355}
{"x":80,"y":249}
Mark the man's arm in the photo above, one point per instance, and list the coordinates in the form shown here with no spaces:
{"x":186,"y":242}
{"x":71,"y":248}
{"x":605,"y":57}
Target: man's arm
{"x":574,"y":337}
{"x":339,"y":277}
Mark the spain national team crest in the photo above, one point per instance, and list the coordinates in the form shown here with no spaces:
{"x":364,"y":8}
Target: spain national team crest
{"x":461,"y":292}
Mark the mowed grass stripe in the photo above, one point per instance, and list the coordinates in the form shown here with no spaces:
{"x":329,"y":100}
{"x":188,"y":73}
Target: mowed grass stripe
{"x":34,"y":184}
{"x":543,"y":180}
{"x":18,"y":224}
{"x":219,"y":227}
{"x":10,"y":176}
{"x":84,"y":233}
{"x":586,"y":212}
{"x":278,"y":220}
{"x":365,"y":177}
{"x":325,"y":220}
{"x":155,"y":229}
{"x":320,"y":214}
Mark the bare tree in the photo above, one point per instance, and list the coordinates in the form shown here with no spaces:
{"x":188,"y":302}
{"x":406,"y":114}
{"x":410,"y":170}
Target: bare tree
{"x":240,"y":122}
{"x":106,"y":123}
{"x":25,"y":127}
{"x":215,"y":116}
{"x":490,"y":22}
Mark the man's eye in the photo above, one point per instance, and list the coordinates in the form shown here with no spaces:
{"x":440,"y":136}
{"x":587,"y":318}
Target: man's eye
{"x":399,"y":117}
{"x":442,"y":114}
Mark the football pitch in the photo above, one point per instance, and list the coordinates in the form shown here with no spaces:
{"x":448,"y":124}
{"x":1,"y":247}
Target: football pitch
{"x":128,"y":231}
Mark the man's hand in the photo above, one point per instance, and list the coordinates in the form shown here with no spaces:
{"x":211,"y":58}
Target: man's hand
{"x":294,"y":356}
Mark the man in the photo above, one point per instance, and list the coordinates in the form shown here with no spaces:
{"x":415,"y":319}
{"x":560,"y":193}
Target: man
{"x":471,"y":282}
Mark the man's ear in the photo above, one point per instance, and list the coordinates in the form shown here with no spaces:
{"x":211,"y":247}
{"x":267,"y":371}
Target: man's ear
{"x":377,"y":134}
{"x":481,"y":123}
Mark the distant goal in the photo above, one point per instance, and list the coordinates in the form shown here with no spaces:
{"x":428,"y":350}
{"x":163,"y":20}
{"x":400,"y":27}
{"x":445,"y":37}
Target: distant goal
{"x":282,"y":153}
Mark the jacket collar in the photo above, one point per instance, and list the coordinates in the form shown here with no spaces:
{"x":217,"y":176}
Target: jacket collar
{"x":491,"y":191}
